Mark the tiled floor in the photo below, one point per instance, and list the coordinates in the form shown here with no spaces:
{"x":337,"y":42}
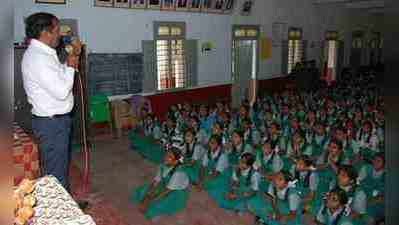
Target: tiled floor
{"x":116,"y":171}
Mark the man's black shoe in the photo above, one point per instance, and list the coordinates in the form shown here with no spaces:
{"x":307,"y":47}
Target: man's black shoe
{"x":83,"y":205}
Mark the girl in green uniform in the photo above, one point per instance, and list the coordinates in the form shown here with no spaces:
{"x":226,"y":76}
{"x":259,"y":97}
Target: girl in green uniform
{"x":148,"y":140}
{"x":333,"y":211}
{"x":357,"y":203}
{"x":192,"y":153}
{"x":238,"y":147}
{"x":372,"y":179}
{"x":167,"y":194}
{"x":268,"y":162}
{"x":251,"y":134}
{"x":244,"y":184}
{"x":213,"y":175}
{"x":281,"y":204}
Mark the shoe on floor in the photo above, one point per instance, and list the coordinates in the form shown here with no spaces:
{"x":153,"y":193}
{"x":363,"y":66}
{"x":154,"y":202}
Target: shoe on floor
{"x":83,"y":205}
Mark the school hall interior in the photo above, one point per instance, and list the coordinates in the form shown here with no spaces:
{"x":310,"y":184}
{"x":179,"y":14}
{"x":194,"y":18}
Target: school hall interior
{"x":218,"y":103}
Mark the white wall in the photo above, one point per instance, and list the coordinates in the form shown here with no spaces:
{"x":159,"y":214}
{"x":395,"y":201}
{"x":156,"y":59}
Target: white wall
{"x":313,"y":19}
{"x":113,"y":30}
{"x":110,"y":30}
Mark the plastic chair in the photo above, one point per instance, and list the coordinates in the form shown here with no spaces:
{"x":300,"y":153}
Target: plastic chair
{"x":100,"y":111}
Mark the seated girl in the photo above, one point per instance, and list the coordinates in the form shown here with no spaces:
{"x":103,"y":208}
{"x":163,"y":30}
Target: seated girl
{"x":156,"y":153}
{"x":244,"y":184}
{"x":307,"y":179}
{"x":296,"y":145}
{"x":213,"y":175}
{"x":268,"y":162}
{"x":167,"y":194}
{"x":372,"y":179}
{"x":368,"y":141}
{"x":309,"y":184}
{"x":333,"y":211}
{"x":193,"y":153}
{"x":320,"y":140}
{"x":206,"y":118}
{"x":201,"y":134}
{"x":341,"y":136}
{"x":243,"y":113}
{"x":276,"y":139}
{"x":357,"y":203}
{"x":152,"y":133}
{"x":251,"y":134}
{"x":238,"y":147}
{"x":152,"y":127}
{"x":219,"y":130}
{"x":281,"y":204}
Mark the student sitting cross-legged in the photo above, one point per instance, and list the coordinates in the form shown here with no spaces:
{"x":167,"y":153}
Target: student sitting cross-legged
{"x":244,"y":184}
{"x":281,"y":204}
{"x":214,"y":171}
{"x":167,"y":194}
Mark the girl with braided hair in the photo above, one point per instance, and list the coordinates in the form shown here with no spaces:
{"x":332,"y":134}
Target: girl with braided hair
{"x":244,"y":184}
{"x":214,"y":171}
{"x":333,"y":210}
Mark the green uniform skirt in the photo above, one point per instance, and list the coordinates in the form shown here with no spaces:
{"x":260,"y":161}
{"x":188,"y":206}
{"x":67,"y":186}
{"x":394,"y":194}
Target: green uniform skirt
{"x":147,"y":147}
{"x":170,"y":204}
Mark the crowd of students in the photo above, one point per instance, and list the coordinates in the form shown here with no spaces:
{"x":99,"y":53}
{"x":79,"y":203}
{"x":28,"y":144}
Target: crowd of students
{"x":290,"y":157}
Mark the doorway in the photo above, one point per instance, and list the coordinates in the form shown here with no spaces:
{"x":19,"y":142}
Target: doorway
{"x":244,"y":63}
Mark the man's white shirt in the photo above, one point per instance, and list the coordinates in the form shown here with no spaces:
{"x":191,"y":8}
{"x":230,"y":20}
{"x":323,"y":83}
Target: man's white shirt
{"x":47,"y":82}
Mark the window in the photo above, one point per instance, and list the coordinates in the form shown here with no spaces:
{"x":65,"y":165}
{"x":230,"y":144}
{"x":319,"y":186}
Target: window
{"x":170,"y":55}
{"x":295,"y":48}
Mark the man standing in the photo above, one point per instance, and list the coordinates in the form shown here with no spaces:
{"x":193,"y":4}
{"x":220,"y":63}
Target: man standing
{"x":48,"y":85}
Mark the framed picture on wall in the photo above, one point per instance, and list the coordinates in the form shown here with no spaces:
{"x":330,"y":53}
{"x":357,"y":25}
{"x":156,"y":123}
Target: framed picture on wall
{"x":51,"y":1}
{"x":138,"y":4}
{"x":206,"y":5}
{"x":194,"y":5}
{"x":104,"y":3}
{"x":217,"y":6}
{"x":122,"y":3}
{"x":154,"y":4}
{"x":181,"y":5}
{"x":168,"y":5}
{"x":247,"y":7}
{"x":228,"y":6}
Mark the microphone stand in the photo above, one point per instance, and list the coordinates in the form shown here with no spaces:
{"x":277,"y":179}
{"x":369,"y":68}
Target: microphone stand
{"x":75,"y":49}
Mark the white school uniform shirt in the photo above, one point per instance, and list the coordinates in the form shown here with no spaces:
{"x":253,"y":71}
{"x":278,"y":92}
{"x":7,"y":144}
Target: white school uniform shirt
{"x":47,"y":83}
{"x":359,"y":202}
{"x":329,"y":218}
{"x":178,"y":181}
{"x":255,"y":178}
{"x":221,"y":165}
{"x":277,"y":162}
{"x":313,"y":178}
{"x":247,"y":148}
{"x":372,"y":144}
{"x":293,"y":198}
{"x":198,"y":151}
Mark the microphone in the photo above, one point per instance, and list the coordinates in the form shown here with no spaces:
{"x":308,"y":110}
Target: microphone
{"x":74,"y":48}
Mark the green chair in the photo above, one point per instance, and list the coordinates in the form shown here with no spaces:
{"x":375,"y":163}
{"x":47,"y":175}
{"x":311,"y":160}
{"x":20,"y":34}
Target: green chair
{"x":100,"y":110}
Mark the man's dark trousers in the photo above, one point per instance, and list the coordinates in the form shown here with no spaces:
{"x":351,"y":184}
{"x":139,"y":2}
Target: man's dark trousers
{"x":53,"y":136}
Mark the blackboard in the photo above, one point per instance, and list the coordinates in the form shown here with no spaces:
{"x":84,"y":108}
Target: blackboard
{"x":115,"y":74}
